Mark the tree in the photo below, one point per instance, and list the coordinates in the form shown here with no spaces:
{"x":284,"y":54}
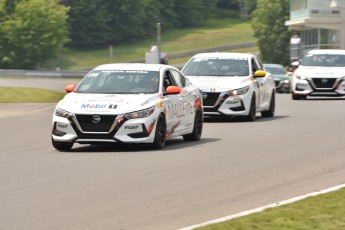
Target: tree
{"x":35,"y":32}
{"x":269,"y":27}
{"x":88,"y":23}
{"x":193,"y":12}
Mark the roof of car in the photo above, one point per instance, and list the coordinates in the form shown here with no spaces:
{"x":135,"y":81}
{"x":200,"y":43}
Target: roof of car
{"x":223,"y":55}
{"x":131,"y":66}
{"x":327,"y":51}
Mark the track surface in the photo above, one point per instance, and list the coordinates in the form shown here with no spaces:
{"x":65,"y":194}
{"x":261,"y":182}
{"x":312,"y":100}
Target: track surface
{"x":235,"y":167}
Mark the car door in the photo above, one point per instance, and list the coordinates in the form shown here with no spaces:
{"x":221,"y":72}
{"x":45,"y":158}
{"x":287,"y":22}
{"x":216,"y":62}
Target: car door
{"x":174,"y":106}
{"x":186,"y":102}
{"x":258,"y":84}
{"x":264,"y":85}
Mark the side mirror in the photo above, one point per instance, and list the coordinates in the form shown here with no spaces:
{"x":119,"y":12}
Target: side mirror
{"x":173,"y":90}
{"x":259,"y":73}
{"x":69,"y":88}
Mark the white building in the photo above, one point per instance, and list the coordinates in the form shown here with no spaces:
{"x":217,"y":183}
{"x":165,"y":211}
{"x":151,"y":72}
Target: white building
{"x":319,"y":23}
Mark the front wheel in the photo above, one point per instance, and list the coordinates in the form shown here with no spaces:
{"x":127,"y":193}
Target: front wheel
{"x":197,"y":129}
{"x":62,"y":146}
{"x":160,"y":135}
{"x":270,"y":111}
{"x":252,"y":110}
{"x":298,"y":97}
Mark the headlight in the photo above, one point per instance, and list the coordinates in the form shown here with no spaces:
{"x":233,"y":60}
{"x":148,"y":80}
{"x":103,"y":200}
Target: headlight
{"x":240,"y":91}
{"x":140,"y":114}
{"x":286,"y":81}
{"x":62,"y":113}
{"x":301,"y":77}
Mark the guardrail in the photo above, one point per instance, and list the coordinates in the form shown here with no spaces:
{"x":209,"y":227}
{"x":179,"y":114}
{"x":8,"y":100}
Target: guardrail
{"x":45,"y":74}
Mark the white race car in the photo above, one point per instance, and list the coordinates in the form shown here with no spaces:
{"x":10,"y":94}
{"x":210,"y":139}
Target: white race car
{"x":128,"y":103}
{"x":320,"y":73}
{"x":232,"y":84}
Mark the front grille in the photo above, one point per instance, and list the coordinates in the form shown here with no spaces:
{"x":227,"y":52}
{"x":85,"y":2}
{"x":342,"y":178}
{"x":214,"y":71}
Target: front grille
{"x":211,"y":99}
{"x":324,"y":83}
{"x":104,"y":125}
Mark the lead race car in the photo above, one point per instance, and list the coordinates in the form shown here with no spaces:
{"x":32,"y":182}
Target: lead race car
{"x":232,"y":84}
{"x":128,"y":103}
{"x":320,"y":73}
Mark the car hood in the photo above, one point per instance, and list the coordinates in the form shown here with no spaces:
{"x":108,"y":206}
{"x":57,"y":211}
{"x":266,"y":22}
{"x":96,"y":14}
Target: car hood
{"x":311,"y":71}
{"x":107,"y":103}
{"x":219,"y":84}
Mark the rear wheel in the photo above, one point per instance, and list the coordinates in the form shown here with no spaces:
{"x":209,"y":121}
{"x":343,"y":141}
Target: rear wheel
{"x":270,"y":111}
{"x":197,"y":129}
{"x":252,"y":110}
{"x":62,"y":146}
{"x":160,"y":135}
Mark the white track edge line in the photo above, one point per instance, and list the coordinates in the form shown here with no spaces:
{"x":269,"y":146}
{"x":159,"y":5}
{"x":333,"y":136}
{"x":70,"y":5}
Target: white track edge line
{"x":255,"y":210}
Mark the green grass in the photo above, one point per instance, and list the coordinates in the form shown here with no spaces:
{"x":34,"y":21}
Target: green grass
{"x":216,"y":32}
{"x":29,"y":95}
{"x":322,"y":212}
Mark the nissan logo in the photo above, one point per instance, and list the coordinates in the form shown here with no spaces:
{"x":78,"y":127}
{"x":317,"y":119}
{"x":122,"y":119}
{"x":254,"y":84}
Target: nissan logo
{"x":324,"y":80}
{"x":204,"y":95}
{"x":96,"y":119}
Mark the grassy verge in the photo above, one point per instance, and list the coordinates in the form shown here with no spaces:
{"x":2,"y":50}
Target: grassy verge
{"x":29,"y":95}
{"x":216,"y":32}
{"x":322,"y":212}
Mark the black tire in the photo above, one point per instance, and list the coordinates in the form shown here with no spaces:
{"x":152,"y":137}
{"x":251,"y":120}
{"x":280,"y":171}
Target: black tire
{"x":197,"y":129}
{"x":160,"y":134}
{"x":252,"y":110}
{"x":62,"y":146}
{"x":298,"y":97}
{"x":270,"y":111}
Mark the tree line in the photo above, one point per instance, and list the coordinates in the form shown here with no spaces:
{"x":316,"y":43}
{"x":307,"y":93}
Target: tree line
{"x":33,"y":31}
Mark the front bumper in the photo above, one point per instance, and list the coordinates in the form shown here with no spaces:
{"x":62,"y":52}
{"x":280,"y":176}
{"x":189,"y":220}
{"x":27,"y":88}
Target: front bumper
{"x":220,"y":104}
{"x":113,"y":128}
{"x":320,"y":87}
{"x":282,"y":86}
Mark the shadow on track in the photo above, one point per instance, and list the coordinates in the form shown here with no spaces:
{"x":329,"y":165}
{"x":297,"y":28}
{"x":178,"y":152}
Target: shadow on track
{"x":173,"y":144}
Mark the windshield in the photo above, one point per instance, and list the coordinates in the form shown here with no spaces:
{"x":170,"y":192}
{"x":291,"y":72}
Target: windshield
{"x":217,"y":67}
{"x":277,"y":70}
{"x":119,"y":82}
{"x":329,"y":60}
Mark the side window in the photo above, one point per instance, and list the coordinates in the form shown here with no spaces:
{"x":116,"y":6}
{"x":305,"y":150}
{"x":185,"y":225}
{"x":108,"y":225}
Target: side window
{"x":254,"y":66}
{"x":179,"y":79}
{"x":259,"y":64}
{"x":168,"y":80}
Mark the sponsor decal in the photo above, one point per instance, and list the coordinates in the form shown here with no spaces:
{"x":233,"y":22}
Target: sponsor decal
{"x":62,"y":126}
{"x":232,"y":102}
{"x":112,"y":106}
{"x":93,"y":106}
{"x":132,"y":127}
{"x":180,"y":110}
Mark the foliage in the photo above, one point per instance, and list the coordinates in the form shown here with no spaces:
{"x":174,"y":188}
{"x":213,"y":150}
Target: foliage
{"x":107,"y":22}
{"x":32,"y":34}
{"x":29,"y":95}
{"x":320,"y":212}
{"x":269,"y":28}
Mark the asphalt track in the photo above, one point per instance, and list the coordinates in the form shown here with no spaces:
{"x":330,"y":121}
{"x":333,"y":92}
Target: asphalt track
{"x":237,"y":166}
